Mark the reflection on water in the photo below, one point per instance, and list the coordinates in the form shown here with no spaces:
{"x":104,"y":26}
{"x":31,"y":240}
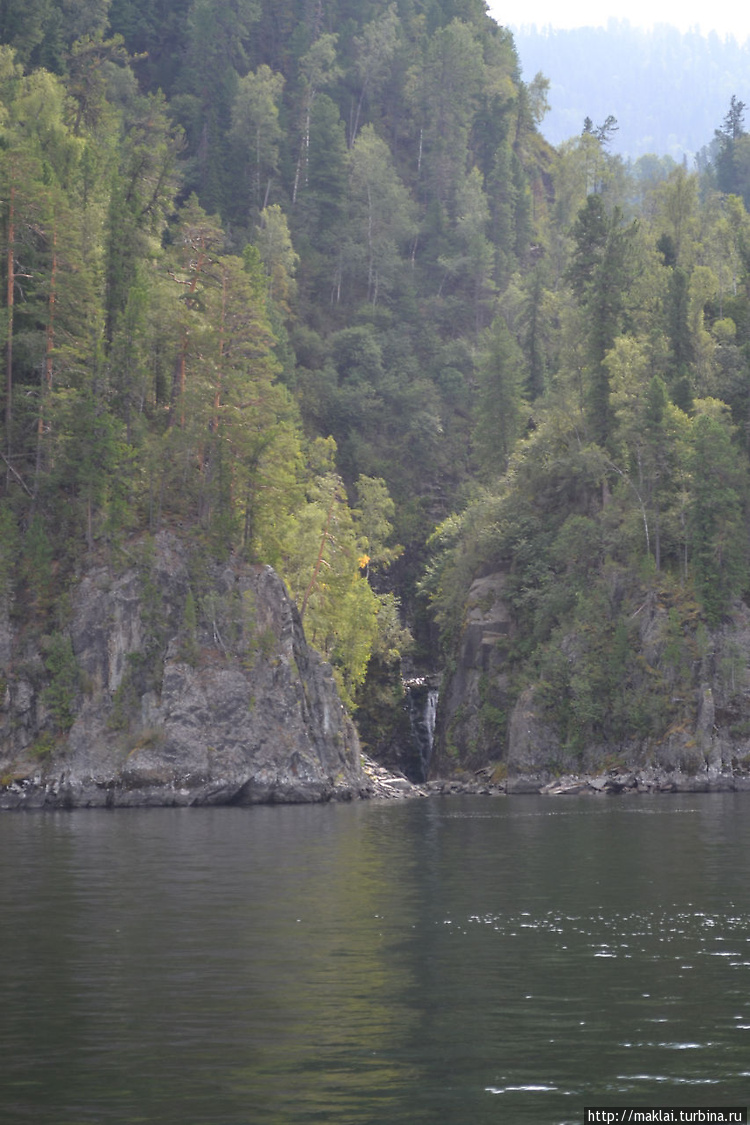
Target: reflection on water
{"x":460,"y":961}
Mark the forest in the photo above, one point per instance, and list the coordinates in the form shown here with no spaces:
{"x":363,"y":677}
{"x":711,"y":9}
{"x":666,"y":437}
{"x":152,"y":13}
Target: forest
{"x":303,"y":281}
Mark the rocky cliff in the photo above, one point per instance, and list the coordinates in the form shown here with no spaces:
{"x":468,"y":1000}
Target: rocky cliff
{"x":172,"y":682}
{"x":672,"y":710}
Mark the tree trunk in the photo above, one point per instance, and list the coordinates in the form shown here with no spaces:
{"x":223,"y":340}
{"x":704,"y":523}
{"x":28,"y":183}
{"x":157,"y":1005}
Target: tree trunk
{"x":48,"y":351}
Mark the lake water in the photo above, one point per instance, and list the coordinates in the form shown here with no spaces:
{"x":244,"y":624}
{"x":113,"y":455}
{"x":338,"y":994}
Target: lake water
{"x":454,"y":961}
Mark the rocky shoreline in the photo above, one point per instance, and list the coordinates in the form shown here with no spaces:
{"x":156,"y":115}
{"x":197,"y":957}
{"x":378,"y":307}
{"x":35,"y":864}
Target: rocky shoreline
{"x":385,"y":785}
{"x":377,"y":784}
{"x":153,"y":695}
{"x":649,"y":780}
{"x":237,"y":711}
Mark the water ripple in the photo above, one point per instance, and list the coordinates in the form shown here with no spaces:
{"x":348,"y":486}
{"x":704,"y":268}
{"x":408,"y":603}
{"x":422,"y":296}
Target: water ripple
{"x":532,"y":1089}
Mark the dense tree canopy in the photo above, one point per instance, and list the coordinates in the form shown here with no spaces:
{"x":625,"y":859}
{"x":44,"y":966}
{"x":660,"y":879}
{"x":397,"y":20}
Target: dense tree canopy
{"x":305,"y":281}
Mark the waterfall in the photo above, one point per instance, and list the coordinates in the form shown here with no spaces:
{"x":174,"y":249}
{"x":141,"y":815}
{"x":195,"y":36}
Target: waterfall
{"x":422,"y":700}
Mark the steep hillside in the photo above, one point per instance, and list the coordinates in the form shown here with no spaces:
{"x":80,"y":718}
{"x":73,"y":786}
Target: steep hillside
{"x":302,"y":283}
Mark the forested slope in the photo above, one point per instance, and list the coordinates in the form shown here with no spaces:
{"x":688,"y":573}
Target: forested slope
{"x":301,"y":280}
{"x":249,"y":250}
{"x":617,"y":541}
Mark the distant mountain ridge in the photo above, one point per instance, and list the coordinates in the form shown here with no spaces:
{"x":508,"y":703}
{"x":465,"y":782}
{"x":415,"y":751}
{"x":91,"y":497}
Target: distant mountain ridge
{"x":668,"y":90}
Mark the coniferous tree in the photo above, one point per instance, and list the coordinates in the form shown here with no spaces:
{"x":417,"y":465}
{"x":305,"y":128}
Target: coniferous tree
{"x":717,"y":517}
{"x":599,"y":277}
{"x":500,"y":375}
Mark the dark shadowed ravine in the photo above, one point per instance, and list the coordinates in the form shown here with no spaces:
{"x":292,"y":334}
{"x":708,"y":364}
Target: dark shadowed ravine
{"x":457,"y":961}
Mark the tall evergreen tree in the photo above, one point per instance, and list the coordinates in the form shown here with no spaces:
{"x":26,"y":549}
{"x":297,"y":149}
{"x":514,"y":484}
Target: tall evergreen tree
{"x":599,"y":276}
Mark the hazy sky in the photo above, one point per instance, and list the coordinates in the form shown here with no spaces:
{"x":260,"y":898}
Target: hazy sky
{"x":684,"y":14}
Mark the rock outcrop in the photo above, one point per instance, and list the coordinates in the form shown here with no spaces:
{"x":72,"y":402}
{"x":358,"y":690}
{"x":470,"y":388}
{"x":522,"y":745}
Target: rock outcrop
{"x":474,"y":694}
{"x":699,"y":740}
{"x":168,"y":689}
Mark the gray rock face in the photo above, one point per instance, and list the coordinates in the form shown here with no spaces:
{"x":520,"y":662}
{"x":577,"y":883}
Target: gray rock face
{"x":705,"y":746}
{"x":474,"y":696}
{"x":226,"y":705}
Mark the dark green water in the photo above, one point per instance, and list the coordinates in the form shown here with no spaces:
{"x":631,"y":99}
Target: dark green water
{"x":446,"y":961}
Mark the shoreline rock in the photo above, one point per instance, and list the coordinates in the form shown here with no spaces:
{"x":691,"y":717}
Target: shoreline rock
{"x":384,"y":785}
{"x":649,"y":780}
{"x":226,"y":706}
